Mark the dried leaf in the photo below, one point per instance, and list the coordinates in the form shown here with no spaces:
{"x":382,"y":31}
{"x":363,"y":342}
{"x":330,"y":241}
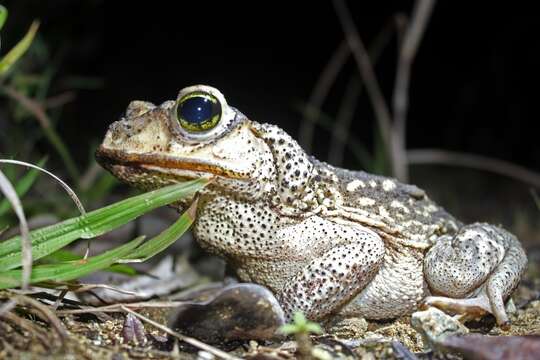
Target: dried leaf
{"x":133,"y":330}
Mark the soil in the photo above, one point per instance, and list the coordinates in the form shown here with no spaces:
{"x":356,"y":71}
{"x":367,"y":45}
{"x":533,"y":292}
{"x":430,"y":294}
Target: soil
{"x":91,"y":338}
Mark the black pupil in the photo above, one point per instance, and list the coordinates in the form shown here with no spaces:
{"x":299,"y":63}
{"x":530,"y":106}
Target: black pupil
{"x":198,"y":109}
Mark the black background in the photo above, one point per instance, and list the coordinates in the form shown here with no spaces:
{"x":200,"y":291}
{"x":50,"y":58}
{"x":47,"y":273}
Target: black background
{"x":474,"y":84}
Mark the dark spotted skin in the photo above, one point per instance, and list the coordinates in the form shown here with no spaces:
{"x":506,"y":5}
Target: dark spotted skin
{"x":325,"y":240}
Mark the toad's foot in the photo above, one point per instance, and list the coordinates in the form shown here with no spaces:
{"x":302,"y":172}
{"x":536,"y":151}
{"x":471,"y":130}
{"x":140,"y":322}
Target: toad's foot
{"x":476,"y":270}
{"x":468,"y":309}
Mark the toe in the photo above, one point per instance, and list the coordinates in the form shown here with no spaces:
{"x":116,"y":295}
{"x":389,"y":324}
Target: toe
{"x":471,"y":307}
{"x":497,"y":304}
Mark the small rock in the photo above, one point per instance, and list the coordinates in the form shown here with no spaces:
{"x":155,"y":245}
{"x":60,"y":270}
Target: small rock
{"x":236,"y":312}
{"x":510,"y":307}
{"x":204,"y":355}
{"x":336,"y":348}
{"x":321,"y":354}
{"x":435,"y":326}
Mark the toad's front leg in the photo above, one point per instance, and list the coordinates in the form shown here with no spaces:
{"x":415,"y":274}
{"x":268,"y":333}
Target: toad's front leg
{"x":475,"y":271}
{"x":333,"y":278}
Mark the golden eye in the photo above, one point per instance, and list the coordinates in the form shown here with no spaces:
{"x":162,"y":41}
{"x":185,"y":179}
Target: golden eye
{"x":198,"y":111}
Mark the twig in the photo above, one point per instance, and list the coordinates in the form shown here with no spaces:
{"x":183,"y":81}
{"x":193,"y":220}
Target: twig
{"x":30,"y":105}
{"x":59,"y":299}
{"x":26,"y":245}
{"x":118,"y":307}
{"x":7,"y":306}
{"x":401,"y":22}
{"x":346,"y":113}
{"x":46,"y":296}
{"x":536,"y":198}
{"x":45,"y":312}
{"x":382,"y":113}
{"x":421,"y":14}
{"x":60,"y":99}
{"x":85,"y":181}
{"x":81,"y":287}
{"x":350,"y":140}
{"x":505,"y":168}
{"x":87,"y":287}
{"x":26,"y":325}
{"x":343,"y":121}
{"x":320,"y":92}
{"x":66,"y":187}
{"x":409,"y":47}
{"x":36,"y":109}
{"x":192,"y":341}
{"x":90,"y":175}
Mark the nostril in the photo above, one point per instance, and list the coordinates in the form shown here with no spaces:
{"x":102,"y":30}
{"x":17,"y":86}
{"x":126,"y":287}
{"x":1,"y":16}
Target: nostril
{"x":120,"y":130}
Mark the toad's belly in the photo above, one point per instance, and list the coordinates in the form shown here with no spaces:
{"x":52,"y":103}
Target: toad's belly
{"x":396,"y":289}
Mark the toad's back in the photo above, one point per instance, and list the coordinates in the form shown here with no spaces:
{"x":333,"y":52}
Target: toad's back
{"x":394,"y":210}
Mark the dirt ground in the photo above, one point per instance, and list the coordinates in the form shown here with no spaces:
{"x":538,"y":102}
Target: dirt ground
{"x":103,"y":337}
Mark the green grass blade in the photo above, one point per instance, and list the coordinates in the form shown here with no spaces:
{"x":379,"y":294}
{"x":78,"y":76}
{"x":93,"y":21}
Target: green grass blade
{"x":23,"y":185}
{"x":3,"y":16}
{"x":123,"y":269}
{"x":70,"y":270}
{"x":71,"y":266}
{"x":166,"y":238}
{"x":51,"y":238}
{"x":18,"y":50}
{"x":62,"y":255}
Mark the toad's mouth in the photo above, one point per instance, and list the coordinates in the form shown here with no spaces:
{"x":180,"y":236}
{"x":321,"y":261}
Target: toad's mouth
{"x":110,"y":157}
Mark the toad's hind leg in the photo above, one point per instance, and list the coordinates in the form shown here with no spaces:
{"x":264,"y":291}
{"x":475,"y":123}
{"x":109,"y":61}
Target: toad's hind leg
{"x":474,"y":271}
{"x":334,"y":277}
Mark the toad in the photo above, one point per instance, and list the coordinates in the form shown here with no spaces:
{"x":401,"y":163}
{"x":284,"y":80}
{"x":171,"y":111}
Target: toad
{"x":324,"y":240}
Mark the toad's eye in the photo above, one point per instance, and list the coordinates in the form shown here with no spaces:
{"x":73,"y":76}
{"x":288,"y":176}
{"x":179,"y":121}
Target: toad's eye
{"x":198,"y":111}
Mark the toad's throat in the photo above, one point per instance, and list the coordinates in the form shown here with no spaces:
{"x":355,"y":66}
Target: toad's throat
{"x":107,"y":157}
